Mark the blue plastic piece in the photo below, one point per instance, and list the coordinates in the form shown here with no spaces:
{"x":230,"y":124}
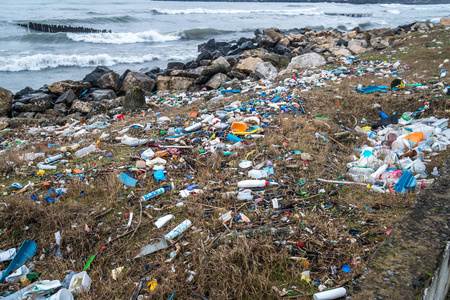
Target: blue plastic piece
{"x":405,"y":183}
{"x":159,"y":175}
{"x":383,"y":115}
{"x":373,"y":88}
{"x":26,"y":251}
{"x":233,"y":138}
{"x":58,"y":192}
{"x":276,"y":99}
{"x":125,"y":179}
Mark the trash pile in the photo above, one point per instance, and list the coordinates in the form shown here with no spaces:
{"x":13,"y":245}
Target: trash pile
{"x":263,"y":175}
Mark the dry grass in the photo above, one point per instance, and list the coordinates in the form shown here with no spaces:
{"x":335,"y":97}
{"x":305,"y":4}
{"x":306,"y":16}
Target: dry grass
{"x":344,"y":225}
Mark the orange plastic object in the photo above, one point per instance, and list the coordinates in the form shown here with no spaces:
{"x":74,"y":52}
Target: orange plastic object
{"x":239,"y":127}
{"x":193,"y":114}
{"x":414,"y":138}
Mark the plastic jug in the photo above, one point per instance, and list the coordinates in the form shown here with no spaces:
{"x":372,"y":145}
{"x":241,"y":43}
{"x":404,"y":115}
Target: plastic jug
{"x":80,"y":282}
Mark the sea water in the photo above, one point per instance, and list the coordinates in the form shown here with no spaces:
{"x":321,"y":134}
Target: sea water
{"x":148,"y":34}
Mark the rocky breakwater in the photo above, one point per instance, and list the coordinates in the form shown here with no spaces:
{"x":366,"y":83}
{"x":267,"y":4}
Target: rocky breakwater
{"x":219,"y":64}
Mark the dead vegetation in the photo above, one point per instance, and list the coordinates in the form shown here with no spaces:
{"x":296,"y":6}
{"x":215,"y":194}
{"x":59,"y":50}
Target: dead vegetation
{"x":317,"y":226}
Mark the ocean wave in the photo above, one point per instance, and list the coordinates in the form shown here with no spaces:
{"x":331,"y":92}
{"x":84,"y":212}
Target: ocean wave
{"x":394,"y":11}
{"x":123,"y":37}
{"x":48,"y":61}
{"x":290,"y":12}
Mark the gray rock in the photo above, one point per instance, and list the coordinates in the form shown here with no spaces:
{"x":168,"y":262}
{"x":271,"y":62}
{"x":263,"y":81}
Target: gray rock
{"x":6,"y":97}
{"x":81,"y":107}
{"x":168,"y":83}
{"x":95,"y":75}
{"x":109,"y":81}
{"x":61,"y":107}
{"x":357,"y":42}
{"x":99,"y":95}
{"x":23,"y":92}
{"x":60,"y":87}
{"x":110,"y":104}
{"x":4,"y":122}
{"x":134,"y":99}
{"x":265,"y":70}
{"x":308,"y":60}
{"x":142,"y":81}
{"x":248,"y":65}
{"x":216,"y":81}
{"x":247,"y":46}
{"x":34,"y":97}
{"x":192,"y":73}
{"x":211,"y":70}
{"x":66,"y":98}
{"x":175,"y":65}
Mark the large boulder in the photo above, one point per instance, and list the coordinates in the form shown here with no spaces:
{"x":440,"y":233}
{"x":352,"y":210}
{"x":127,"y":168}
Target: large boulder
{"x":308,"y":60}
{"x":341,"y":52}
{"x":134,"y":99}
{"x":216,"y":81}
{"x":445,"y":22}
{"x":214,"y":69}
{"x":66,"y":98}
{"x":142,"y":81}
{"x":4,"y":122}
{"x":99,"y":95}
{"x":81,"y":107}
{"x":279,"y":61}
{"x":175,"y":65}
{"x":36,"y":102}
{"x":265,"y":70}
{"x":189,"y":73}
{"x":109,"y":81}
{"x":172,"y":83}
{"x":379,"y":43}
{"x":60,"y":87}
{"x":248,"y":65}
{"x":95,"y":75}
{"x":23,"y":92}
{"x":274,"y":34}
{"x":357,"y":49}
{"x":6,"y":97}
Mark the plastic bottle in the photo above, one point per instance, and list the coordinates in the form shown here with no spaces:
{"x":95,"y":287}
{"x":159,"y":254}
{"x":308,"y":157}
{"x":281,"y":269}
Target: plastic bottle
{"x":163,"y":220}
{"x":255,"y":136}
{"x":53,"y":158}
{"x":178,"y":230}
{"x":155,"y":193}
{"x":193,"y":127}
{"x":330,"y":294}
{"x":254,"y":183}
{"x":173,"y":131}
{"x":376,"y":189}
{"x":361,"y":174}
{"x":375,"y":175}
{"x":245,"y":195}
{"x":85,"y":151}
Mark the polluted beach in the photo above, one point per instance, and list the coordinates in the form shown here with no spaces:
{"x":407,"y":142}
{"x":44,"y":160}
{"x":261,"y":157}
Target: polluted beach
{"x":284,"y":164}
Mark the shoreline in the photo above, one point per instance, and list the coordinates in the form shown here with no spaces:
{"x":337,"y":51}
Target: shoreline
{"x":216,"y":63}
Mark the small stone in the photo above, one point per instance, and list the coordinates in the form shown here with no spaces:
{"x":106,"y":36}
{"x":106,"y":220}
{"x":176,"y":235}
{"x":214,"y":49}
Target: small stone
{"x":390,"y":273}
{"x":417,"y":283}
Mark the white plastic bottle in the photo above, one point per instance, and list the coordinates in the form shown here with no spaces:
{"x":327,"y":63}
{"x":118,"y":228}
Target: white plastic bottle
{"x":254,"y":183}
{"x":193,"y":127}
{"x":53,"y":158}
{"x":179,"y":229}
{"x":85,"y":151}
{"x":330,"y":294}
